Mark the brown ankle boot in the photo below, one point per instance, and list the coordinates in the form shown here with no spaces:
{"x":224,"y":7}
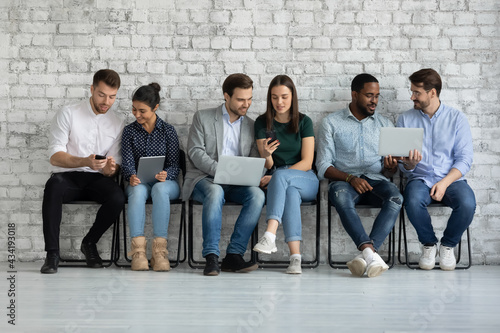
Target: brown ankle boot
{"x":159,"y":260}
{"x":138,"y":253}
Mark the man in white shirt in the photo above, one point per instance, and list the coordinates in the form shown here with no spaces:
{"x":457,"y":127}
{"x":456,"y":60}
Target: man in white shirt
{"x":84,"y":149}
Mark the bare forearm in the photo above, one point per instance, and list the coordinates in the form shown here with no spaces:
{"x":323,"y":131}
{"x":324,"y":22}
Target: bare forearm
{"x":335,"y":174}
{"x":302,"y":165}
{"x":453,"y":175}
{"x":65,"y":160}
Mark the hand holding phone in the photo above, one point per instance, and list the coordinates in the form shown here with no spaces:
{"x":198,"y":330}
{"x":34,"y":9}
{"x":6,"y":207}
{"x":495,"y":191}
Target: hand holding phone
{"x":271,"y":134}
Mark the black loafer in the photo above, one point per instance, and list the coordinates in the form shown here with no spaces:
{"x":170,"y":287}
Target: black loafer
{"x":91,"y":255}
{"x":212,"y":265}
{"x":51,"y":264}
{"x":235,"y":263}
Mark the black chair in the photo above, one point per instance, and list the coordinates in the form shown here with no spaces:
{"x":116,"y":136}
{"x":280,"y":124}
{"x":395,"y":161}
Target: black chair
{"x":284,"y":263}
{"x":343,"y":264}
{"x":402,"y":230}
{"x":198,"y":264}
{"x":173,"y":262}
{"x":79,"y":262}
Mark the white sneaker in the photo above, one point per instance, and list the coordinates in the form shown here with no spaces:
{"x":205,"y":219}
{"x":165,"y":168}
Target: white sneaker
{"x":357,"y":266}
{"x":265,"y":245}
{"x":377,"y":266}
{"x":447,"y":261}
{"x":428,"y":258}
{"x":295,"y":266}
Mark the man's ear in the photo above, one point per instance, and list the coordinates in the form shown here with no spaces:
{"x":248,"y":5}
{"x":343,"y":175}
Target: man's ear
{"x":433,"y":92}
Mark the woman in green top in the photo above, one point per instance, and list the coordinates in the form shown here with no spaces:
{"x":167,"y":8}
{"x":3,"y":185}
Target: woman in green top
{"x":285,"y":138}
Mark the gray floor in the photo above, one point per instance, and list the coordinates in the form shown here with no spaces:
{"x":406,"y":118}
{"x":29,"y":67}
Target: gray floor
{"x":319,"y":300}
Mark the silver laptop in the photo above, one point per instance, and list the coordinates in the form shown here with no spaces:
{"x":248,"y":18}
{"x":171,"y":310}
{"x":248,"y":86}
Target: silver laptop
{"x":148,"y":168}
{"x":398,"y":141}
{"x":239,"y":170}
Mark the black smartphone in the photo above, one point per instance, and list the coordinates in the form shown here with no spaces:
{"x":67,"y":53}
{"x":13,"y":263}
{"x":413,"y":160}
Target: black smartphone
{"x":271,"y":134}
{"x":100,"y":157}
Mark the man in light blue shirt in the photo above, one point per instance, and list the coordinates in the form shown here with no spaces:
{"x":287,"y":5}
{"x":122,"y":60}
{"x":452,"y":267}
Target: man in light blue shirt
{"x":348,"y":156}
{"x":437,"y":173}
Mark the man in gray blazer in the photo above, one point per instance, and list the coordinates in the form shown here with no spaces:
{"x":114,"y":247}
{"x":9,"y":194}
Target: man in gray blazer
{"x":224,"y":130}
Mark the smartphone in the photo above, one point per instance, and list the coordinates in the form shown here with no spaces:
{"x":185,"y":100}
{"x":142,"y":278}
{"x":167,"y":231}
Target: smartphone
{"x":271,"y":134}
{"x":100,"y":157}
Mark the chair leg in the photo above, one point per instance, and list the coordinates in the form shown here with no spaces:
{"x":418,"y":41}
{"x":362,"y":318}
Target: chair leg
{"x":400,"y":239}
{"x":81,"y":262}
{"x":179,"y":242}
{"x":305,"y":264}
{"x":191,"y":261}
{"x":414,"y":265}
{"x":342,"y":264}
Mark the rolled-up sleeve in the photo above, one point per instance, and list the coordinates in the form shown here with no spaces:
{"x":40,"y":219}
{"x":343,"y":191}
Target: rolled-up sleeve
{"x":463,"y":147}
{"x":59,"y":132}
{"x":326,"y":148}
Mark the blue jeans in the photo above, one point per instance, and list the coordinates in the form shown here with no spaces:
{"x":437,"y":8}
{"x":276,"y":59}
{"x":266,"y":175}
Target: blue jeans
{"x":285,"y":192}
{"x":161,"y":193}
{"x":384,"y":194}
{"x":458,"y":196}
{"x":213,"y":196}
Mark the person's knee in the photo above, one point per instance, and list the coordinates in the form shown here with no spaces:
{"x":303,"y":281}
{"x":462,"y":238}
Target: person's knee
{"x":214,"y":195}
{"x":164,"y":191}
{"x":116,"y":197}
{"x":397,"y":200}
{"x":340,"y":197}
{"x":138,"y":192}
{"x":468,"y":207}
{"x":55,"y":184}
{"x":257,"y":197}
{"x":411,"y":202}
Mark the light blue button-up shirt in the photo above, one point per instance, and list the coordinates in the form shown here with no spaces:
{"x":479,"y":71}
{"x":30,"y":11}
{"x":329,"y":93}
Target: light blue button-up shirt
{"x":447,"y":143}
{"x":351,"y":145}
{"x":231,"y":141}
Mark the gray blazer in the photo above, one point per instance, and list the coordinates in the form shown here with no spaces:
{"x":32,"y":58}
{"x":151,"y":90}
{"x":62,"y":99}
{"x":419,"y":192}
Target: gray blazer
{"x":205,"y":146}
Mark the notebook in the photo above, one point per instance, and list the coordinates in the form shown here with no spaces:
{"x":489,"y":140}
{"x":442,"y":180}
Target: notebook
{"x":148,"y":168}
{"x":398,"y":141}
{"x":239,"y":170}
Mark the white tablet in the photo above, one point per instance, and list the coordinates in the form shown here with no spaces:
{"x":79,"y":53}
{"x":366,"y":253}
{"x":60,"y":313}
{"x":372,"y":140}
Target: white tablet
{"x":398,"y":141}
{"x":239,"y":170}
{"x":148,"y":168}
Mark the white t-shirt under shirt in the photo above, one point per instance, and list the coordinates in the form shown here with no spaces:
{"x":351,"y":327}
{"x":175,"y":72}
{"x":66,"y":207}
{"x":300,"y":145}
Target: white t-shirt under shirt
{"x":78,"y":131}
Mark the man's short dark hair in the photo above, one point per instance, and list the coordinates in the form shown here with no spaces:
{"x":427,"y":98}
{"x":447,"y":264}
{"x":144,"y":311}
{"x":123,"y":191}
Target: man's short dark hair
{"x":428,"y":79}
{"x":108,"y":76}
{"x":358,"y":83}
{"x":237,"y":80}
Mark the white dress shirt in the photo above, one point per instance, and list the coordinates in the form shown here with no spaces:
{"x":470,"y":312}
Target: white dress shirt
{"x":78,"y":131}
{"x":231,"y":142}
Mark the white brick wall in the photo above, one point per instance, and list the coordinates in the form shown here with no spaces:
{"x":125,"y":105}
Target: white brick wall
{"x":51,"y":48}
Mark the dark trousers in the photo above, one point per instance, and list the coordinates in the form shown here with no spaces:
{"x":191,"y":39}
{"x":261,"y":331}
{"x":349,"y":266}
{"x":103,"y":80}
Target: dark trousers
{"x":64,"y":187}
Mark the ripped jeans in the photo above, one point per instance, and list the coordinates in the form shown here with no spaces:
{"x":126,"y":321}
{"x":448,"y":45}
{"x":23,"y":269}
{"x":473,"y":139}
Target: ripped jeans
{"x":385,"y":195}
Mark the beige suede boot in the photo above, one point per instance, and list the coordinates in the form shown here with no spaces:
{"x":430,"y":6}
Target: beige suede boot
{"x":159,"y":260}
{"x":138,"y":253}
